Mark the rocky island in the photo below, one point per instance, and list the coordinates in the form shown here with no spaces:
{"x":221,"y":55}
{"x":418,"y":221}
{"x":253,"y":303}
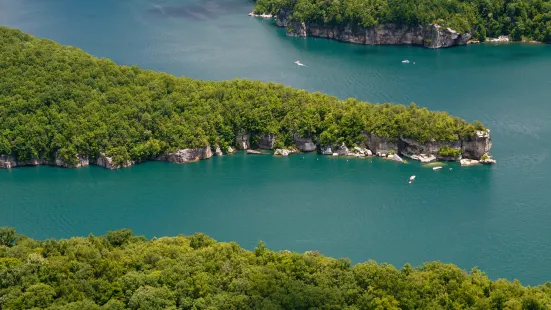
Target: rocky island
{"x":63,"y":107}
{"x":428,"y":23}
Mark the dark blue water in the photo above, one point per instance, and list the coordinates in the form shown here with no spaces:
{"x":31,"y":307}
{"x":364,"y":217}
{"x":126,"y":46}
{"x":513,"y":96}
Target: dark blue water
{"x":496,"y":218}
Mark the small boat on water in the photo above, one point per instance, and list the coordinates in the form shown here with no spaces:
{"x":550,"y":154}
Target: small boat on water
{"x":298,"y":63}
{"x":437,"y":168}
{"x":405,"y":61}
{"x":411,"y":178}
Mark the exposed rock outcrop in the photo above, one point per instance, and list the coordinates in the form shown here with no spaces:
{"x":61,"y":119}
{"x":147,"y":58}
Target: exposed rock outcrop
{"x":8,"y":161}
{"x":243,"y":140}
{"x":468,"y":162}
{"x":411,"y":148}
{"x":107,"y":162}
{"x":266,"y":142}
{"x":477,"y":145}
{"x":186,"y":155}
{"x":218,"y":151}
{"x":304,"y":144}
{"x":326,"y":150}
{"x":379,"y":144}
{"x":81,"y":161}
{"x":397,"y":158}
{"x":430,"y":36}
{"x":283,"y":152}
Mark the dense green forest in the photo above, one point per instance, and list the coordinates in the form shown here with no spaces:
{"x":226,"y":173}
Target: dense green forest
{"x":60,"y":100}
{"x":518,"y":19}
{"x":122,"y":271}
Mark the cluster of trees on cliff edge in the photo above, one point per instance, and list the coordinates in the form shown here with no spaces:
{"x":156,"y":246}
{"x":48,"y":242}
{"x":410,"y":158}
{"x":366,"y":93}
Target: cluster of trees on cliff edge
{"x":122,"y":271}
{"x":61,"y":100}
{"x":518,"y":19}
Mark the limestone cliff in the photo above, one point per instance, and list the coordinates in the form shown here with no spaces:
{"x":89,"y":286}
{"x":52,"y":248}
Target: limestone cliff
{"x":430,"y":36}
{"x":475,"y":147}
{"x":186,"y":155}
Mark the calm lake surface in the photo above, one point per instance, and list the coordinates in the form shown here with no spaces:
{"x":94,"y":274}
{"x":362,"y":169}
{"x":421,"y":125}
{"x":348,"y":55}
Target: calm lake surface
{"x":497,"y":218}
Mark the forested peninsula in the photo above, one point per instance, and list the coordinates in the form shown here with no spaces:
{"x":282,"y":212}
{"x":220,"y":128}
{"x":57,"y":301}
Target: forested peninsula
{"x":429,"y":23}
{"x":122,"y":271}
{"x":64,"y":107}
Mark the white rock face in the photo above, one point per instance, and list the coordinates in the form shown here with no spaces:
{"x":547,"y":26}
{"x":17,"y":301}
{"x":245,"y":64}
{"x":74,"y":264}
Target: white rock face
{"x":243,"y":140}
{"x":304,"y":144}
{"x":81,"y":161}
{"x":7,"y":162}
{"x":343,"y":150}
{"x":230,"y":150}
{"x":487,"y":159}
{"x":478,"y":145}
{"x":397,"y":158}
{"x":283,"y":152}
{"x":107,"y":162}
{"x":430,"y":36}
{"x":267,"y":141}
{"x":218,"y":151}
{"x":468,"y":162}
{"x":326,"y":150}
{"x":424,"y":158}
{"x":186,"y":155}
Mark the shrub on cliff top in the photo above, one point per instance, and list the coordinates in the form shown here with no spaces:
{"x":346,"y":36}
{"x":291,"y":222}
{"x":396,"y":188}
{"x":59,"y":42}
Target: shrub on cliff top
{"x":60,"y":100}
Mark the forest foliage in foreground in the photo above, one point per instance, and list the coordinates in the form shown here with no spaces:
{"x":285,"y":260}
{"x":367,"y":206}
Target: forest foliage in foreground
{"x":61,"y":100}
{"x":518,"y":19}
{"x":122,"y":271}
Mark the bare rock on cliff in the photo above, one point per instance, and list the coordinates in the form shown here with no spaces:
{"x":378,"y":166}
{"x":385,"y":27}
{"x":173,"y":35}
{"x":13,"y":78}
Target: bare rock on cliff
{"x":243,"y":140}
{"x":468,"y":162}
{"x":266,"y":141}
{"x":304,"y":144}
{"x":397,"y":158}
{"x":342,"y":150}
{"x":81,"y":161}
{"x":186,"y":155}
{"x":283,"y":152}
{"x":477,"y":145}
{"x":423,"y":158}
{"x":326,"y":150}
{"x":379,"y":144}
{"x":107,"y":162}
{"x":218,"y":151}
{"x":487,"y":159}
{"x":438,"y":37}
{"x":8,"y":161}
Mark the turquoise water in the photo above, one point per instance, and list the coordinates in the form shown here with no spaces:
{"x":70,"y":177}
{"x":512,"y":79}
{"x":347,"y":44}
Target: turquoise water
{"x":497,"y":218}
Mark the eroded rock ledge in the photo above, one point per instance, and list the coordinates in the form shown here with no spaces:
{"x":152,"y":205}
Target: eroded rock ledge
{"x":429,"y":36}
{"x":469,"y":150}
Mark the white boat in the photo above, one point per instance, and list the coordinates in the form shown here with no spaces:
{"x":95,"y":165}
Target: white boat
{"x":298,"y":63}
{"x":411,"y":178}
{"x":405,"y":61}
{"x":437,"y":168}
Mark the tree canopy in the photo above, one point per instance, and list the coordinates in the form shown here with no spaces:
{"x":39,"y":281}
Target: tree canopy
{"x":122,"y":271}
{"x":518,"y":19}
{"x":60,"y":100}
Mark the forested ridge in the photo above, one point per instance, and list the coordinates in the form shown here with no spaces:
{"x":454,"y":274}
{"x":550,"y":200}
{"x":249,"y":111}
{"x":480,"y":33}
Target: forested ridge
{"x":122,"y":271}
{"x":60,"y":101}
{"x":518,"y":19}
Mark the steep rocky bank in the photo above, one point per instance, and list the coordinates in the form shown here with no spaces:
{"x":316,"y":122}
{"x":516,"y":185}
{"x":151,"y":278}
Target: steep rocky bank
{"x":474,"y":148}
{"x":429,"y":36}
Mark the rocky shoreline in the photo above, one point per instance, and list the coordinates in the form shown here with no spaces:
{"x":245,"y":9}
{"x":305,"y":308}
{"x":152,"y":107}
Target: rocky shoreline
{"x":429,"y":36}
{"x":468,"y":151}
